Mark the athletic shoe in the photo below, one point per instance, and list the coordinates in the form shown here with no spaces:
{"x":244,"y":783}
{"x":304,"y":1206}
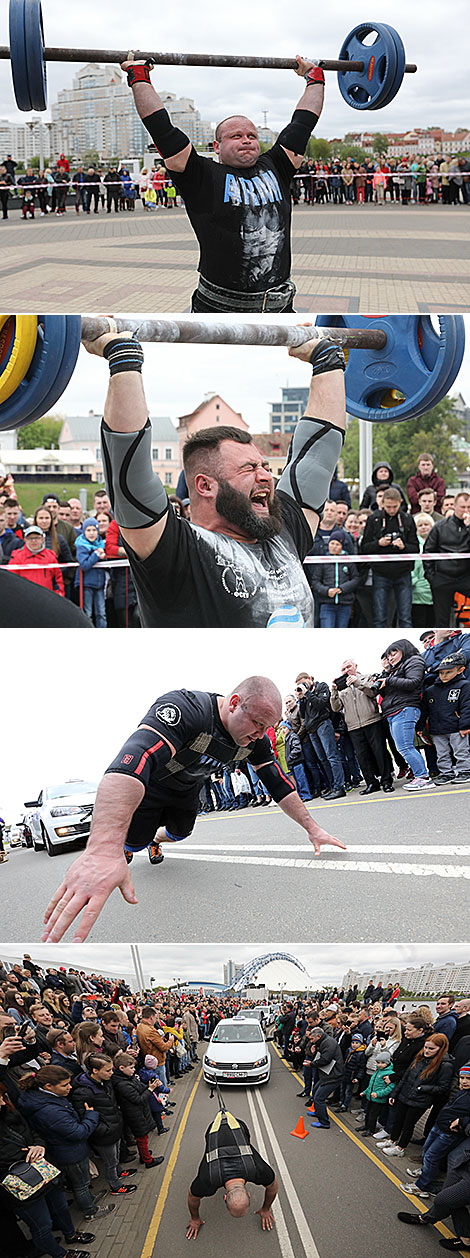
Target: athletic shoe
{"x":414,"y":1173}
{"x":380,"y":1134}
{"x":418,"y":784}
{"x":123,"y":1188}
{"x":324,"y":1126}
{"x":155,"y":854}
{"x":462,"y":777}
{"x":359,"y":1118}
{"x":129,"y":856}
{"x":78,"y":1253}
{"x":83,"y":1238}
{"x":418,"y":1192}
{"x":126,"y":1174}
{"x":443,"y":780}
{"x":385,"y":1144}
{"x":392,"y":1151}
{"x":99,"y":1214}
{"x":453,"y":1242}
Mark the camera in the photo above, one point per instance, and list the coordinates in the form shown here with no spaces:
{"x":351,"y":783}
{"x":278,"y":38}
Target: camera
{"x":376,"y":682}
{"x":341,"y":682}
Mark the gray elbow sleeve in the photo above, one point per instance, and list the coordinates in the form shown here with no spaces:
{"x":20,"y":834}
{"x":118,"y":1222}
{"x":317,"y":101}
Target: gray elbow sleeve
{"x":313,"y":454}
{"x":138,"y":498}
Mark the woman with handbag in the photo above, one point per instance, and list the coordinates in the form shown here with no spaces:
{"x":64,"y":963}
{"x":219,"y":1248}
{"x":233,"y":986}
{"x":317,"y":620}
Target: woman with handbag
{"x":30,"y":1187}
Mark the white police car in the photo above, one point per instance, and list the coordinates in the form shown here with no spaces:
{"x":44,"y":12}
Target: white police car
{"x":61,"y":815}
{"x":237,"y":1053}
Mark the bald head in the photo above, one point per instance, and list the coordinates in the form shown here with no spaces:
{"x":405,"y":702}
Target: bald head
{"x":237,"y":1200}
{"x":251,"y":709}
{"x":236,"y":141}
{"x":262,"y":691}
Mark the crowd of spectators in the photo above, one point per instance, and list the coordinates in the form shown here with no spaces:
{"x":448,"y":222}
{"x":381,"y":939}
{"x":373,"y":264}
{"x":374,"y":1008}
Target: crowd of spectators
{"x":401,"y":1068}
{"x":92,"y":189}
{"x":412,"y":180}
{"x":426,"y":519}
{"x":409,"y":720}
{"x":87,"y":1070}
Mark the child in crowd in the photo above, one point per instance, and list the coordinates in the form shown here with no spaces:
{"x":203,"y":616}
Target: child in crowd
{"x":90,"y":550}
{"x":446,"y":707}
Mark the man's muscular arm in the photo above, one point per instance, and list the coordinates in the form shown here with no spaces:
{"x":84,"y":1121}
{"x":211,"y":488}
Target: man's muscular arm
{"x":148,"y":102}
{"x":102,"y":866}
{"x":195,"y":1222}
{"x":311,"y":101}
{"x":126,"y":411}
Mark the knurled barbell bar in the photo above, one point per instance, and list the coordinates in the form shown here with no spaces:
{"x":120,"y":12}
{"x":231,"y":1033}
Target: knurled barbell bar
{"x":401,"y":366}
{"x":369,"y":75}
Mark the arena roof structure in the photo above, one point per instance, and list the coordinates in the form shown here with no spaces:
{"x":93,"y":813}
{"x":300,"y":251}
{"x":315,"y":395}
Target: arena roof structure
{"x":276,"y":970}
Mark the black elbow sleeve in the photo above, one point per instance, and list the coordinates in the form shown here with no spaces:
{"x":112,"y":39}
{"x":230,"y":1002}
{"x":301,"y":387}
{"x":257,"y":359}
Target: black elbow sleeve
{"x":296,"y":135}
{"x":168,"y":139}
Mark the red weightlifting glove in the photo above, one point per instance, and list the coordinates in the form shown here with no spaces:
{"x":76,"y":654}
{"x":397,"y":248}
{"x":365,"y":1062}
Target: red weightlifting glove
{"x":315,"y":75}
{"x":139,"y":73}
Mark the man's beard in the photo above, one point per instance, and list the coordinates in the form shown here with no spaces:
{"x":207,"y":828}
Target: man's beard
{"x":236,"y":508}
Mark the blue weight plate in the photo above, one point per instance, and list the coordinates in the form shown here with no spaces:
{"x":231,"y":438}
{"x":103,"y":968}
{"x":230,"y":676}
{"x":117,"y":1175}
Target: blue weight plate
{"x":400,"y":70}
{"x":19,"y":69}
{"x":367,"y":89}
{"x":34,"y":48}
{"x":47,"y":358}
{"x":73,"y":333}
{"x":416,"y":362}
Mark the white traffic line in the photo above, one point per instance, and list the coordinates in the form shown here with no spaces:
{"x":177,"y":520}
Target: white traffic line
{"x":339,"y":866}
{"x":413,"y":849}
{"x":303,"y":1229}
{"x":283,"y":1237}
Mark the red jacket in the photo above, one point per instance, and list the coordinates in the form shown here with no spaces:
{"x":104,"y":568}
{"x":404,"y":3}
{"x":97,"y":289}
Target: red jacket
{"x":50,"y":578}
{"x":112,"y":544}
{"x":418,"y":482}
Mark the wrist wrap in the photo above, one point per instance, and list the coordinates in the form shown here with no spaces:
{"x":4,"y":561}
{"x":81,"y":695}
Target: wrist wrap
{"x":327,"y":357}
{"x":124,"y":356}
{"x":315,"y":75}
{"x":138,"y":74}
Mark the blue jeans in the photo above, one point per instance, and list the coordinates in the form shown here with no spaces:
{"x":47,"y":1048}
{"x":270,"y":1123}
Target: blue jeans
{"x":77,"y":1175}
{"x":161,"y":1072}
{"x":109,"y":1154}
{"x":324,"y":743}
{"x":93,"y":601}
{"x":436,"y":1145}
{"x":401,"y":589}
{"x":403,"y":726}
{"x":42,"y":1215}
{"x":228,"y":788}
{"x":321,"y":1092}
{"x":301,"y":781}
{"x":255,"y":782}
{"x":334,"y":616}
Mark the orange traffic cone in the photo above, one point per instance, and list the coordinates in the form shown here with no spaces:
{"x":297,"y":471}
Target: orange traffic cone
{"x":300,"y":1130}
{"x":311,"y":1108}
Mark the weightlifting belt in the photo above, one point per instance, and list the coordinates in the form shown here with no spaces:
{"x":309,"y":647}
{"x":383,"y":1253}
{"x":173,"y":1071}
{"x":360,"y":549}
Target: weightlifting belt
{"x":274,"y":299}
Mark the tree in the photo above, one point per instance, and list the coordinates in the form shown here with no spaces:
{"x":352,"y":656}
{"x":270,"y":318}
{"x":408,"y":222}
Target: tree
{"x":344,"y":150}
{"x":319,"y":149}
{"x":400,"y":444}
{"x":380,"y":144}
{"x":42,"y":435}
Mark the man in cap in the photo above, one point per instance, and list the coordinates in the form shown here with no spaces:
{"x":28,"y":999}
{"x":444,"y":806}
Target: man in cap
{"x":36,"y":562}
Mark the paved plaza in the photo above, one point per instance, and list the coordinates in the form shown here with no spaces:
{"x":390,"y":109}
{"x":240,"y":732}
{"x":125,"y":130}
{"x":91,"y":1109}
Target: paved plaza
{"x":346,"y":258}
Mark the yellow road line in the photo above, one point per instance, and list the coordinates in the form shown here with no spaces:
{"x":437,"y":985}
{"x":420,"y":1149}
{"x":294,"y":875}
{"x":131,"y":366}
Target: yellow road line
{"x":417,"y":1201}
{"x":160,"y":1203}
{"x":349,"y":803}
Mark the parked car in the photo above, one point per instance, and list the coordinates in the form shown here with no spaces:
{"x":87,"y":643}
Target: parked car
{"x":237,"y":1053}
{"x":61,"y":815}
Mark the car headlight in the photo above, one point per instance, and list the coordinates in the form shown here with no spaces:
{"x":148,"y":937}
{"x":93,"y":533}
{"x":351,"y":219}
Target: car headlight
{"x":68,"y":810}
{"x":262,"y":1061}
{"x":209,"y":1061}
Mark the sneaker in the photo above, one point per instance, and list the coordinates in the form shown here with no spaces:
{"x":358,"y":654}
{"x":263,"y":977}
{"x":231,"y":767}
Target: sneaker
{"x":380,"y":1134}
{"x":99,"y":1214}
{"x":385,"y":1144}
{"x":123,"y":1188}
{"x":418,"y":784}
{"x":461,"y":777}
{"x":414,"y":1173}
{"x":155,"y":853}
{"x":129,"y":856}
{"x":126,"y":1174}
{"x":418,"y":1192}
{"x":78,"y":1253}
{"x":83,"y":1238}
{"x":443,"y":779}
{"x":392,"y":1151}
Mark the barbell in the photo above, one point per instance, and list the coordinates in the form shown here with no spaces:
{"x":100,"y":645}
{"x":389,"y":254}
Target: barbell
{"x":369,"y":74}
{"x":399,"y":366}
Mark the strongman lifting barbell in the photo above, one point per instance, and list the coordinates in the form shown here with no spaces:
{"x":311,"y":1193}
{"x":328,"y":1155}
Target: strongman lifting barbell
{"x":400,"y":367}
{"x":369,"y":75}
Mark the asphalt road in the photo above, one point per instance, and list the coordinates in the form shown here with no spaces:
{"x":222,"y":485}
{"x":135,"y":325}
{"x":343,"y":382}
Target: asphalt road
{"x":252,"y":875}
{"x":337,"y":1196}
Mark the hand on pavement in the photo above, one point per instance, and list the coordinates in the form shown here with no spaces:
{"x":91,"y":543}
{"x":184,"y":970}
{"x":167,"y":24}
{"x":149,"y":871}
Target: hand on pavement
{"x":87,"y":885}
{"x":267,"y":1219}
{"x":321,"y":838}
{"x":192,"y":1228}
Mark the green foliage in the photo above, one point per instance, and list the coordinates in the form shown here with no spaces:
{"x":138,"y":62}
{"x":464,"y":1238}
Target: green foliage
{"x":401,"y":444}
{"x":34,"y":162}
{"x":90,"y":158}
{"x":319,"y":149}
{"x":345,"y":150}
{"x":380,"y":144}
{"x":42,"y":435}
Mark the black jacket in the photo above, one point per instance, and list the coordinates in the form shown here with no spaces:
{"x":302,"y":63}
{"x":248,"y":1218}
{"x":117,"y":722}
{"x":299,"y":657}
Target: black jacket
{"x":404,"y":686}
{"x":101,"y":1097}
{"x":368,"y":498}
{"x":419,"y":1093}
{"x":446,"y":705}
{"x":379,"y":525}
{"x":328,"y":1051}
{"x":337,"y":573}
{"x":15,"y":1136}
{"x":134,"y":1101}
{"x":451,"y":535}
{"x":406,"y":1052}
{"x":314,"y":706}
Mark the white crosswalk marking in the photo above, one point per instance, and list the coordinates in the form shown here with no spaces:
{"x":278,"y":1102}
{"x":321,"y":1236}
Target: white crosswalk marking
{"x":345,"y":864}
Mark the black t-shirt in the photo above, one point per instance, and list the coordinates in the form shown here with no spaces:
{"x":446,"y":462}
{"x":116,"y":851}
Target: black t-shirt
{"x":190,"y":720}
{"x":231,"y":1167}
{"x":195,"y":578}
{"x":241,"y":217}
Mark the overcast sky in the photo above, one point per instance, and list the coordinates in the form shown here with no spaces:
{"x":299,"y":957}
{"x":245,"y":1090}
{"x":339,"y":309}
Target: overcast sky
{"x":177,"y":377}
{"x":73,"y":728}
{"x":325,"y":963}
{"x":437,"y":95}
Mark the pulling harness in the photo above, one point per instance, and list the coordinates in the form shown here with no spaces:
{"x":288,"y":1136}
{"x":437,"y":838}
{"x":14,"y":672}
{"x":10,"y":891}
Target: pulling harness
{"x":216,"y":1151}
